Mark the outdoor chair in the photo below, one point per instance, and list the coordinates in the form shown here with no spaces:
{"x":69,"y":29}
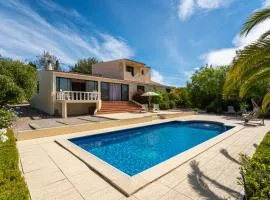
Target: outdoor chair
{"x":253,"y":115}
{"x":231,"y":111}
{"x":144,"y":108}
{"x":155,"y":107}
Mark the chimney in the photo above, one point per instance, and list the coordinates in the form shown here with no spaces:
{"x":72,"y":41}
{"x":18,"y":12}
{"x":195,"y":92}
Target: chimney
{"x":49,"y":67}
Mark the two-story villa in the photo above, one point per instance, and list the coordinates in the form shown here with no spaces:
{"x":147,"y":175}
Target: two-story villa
{"x":68,"y":93}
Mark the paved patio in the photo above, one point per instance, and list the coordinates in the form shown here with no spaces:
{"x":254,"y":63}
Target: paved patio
{"x":51,"y":172}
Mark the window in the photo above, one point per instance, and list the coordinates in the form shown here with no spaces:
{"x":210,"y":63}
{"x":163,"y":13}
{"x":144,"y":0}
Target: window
{"x":140,"y":88}
{"x":142,"y":72}
{"x":91,"y":86}
{"x":63,"y":84}
{"x":130,"y":69}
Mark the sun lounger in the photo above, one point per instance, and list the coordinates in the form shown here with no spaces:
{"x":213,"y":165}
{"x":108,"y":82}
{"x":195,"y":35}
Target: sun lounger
{"x":155,"y":107}
{"x":254,"y":115}
{"x":231,"y":111}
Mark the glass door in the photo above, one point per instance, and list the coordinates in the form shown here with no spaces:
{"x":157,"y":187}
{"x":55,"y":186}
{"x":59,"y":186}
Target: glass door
{"x":105,"y":91}
{"x":115,"y":92}
{"x":124,"y":92}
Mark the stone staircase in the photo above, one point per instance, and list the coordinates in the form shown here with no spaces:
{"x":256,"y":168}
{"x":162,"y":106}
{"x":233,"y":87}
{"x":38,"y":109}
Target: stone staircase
{"x":110,"y":107}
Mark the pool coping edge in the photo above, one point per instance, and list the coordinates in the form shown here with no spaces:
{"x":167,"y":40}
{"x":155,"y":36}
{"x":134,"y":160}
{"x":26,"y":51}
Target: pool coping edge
{"x":129,"y":185}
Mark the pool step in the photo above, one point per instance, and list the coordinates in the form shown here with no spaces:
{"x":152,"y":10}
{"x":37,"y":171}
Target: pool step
{"x":109,"y":107}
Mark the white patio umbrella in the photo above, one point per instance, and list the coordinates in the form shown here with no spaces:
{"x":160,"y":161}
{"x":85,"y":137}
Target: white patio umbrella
{"x":149,"y":95}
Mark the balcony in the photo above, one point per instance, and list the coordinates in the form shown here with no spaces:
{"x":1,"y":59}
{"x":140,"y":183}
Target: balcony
{"x":77,"y":96}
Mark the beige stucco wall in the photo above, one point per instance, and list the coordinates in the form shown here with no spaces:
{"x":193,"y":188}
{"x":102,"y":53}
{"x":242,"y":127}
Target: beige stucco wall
{"x":138,"y":76}
{"x":79,"y":108}
{"x":112,"y":69}
{"x":44,"y":99}
{"x":117,"y":69}
{"x":147,"y":88}
{"x":75,"y":108}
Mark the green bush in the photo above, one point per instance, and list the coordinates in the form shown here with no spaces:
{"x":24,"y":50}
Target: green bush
{"x":9,"y":91}
{"x":17,"y":81}
{"x":6,"y":117}
{"x":12,"y":184}
{"x":255,"y":171}
{"x":172,"y":104}
{"x":164,"y":105}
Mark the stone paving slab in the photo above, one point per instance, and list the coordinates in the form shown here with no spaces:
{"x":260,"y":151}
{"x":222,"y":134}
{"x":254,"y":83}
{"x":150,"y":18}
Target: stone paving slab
{"x":53,"y":173}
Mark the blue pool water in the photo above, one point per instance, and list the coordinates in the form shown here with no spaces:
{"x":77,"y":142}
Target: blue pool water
{"x":135,"y":150}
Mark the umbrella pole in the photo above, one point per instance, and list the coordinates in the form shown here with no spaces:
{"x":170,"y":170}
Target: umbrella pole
{"x":149,"y":99}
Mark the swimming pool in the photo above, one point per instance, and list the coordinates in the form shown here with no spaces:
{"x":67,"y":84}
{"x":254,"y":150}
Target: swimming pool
{"x":135,"y":150}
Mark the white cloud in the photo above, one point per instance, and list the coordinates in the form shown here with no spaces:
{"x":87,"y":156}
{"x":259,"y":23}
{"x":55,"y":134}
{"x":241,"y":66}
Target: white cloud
{"x":156,"y":76}
{"x":27,"y":34}
{"x":266,"y":3}
{"x":225,"y":56}
{"x":219,"y":57}
{"x":212,"y":4}
{"x":52,"y":6}
{"x":174,"y":81}
{"x":187,"y":7}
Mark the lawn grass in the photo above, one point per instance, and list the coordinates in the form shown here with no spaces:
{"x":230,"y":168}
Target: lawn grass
{"x":257,"y":171}
{"x":12,"y":184}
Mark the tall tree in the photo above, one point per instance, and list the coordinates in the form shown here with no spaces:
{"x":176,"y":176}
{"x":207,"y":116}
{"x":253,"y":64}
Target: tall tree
{"x":205,"y":87}
{"x":17,"y":81}
{"x":45,"y":59}
{"x":251,"y":66}
{"x":85,"y":65}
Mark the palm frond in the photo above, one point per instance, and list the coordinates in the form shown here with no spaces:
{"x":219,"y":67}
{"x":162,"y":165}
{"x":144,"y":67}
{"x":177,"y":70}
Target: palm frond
{"x":250,"y":57}
{"x":265,"y":35}
{"x":266,"y":102}
{"x":253,"y":53}
{"x":253,"y":80}
{"x":254,"y":20}
{"x":250,"y":71}
{"x":249,"y":61}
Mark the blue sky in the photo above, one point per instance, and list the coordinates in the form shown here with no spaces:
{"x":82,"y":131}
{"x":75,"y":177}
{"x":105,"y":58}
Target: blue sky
{"x":174,"y":37}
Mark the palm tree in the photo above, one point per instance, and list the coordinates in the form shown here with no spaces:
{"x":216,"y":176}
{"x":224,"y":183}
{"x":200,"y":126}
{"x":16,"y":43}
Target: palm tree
{"x":251,"y":66}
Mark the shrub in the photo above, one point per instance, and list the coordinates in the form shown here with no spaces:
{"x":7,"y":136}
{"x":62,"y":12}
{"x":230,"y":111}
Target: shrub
{"x":164,"y":105}
{"x":172,"y":104}
{"x":6,"y":117}
{"x":255,"y":172}
{"x":17,"y":81}
{"x":137,"y":97}
{"x":9,"y":91}
{"x":12,"y":184}
{"x":183,"y":100}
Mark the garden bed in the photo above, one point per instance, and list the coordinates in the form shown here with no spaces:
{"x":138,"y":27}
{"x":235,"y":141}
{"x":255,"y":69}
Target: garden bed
{"x":12,"y":184}
{"x":256,"y":171}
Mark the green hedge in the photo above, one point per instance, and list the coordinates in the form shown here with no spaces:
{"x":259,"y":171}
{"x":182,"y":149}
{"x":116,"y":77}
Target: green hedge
{"x":256,"y":171}
{"x":12,"y":184}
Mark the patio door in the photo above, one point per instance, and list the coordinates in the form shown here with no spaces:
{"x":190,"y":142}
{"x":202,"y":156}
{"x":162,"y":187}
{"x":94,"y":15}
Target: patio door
{"x":115,"y":92}
{"x":124,"y":92}
{"x":105,"y":91}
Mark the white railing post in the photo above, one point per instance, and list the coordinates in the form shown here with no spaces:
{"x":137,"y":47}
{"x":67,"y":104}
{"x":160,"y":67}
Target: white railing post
{"x":77,"y":96}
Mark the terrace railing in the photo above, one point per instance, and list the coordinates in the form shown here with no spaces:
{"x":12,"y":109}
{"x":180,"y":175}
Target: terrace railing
{"x":77,"y":96}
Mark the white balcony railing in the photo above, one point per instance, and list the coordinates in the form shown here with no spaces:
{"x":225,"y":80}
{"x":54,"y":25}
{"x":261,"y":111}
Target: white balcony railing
{"x":77,"y":96}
